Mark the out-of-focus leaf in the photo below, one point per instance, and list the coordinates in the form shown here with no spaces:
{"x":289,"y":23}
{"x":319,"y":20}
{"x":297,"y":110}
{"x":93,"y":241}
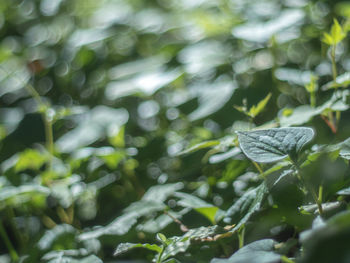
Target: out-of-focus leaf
{"x":70,"y":256}
{"x":30,"y":159}
{"x":50,"y":236}
{"x":293,"y":76}
{"x":145,"y":84}
{"x":261,"y":251}
{"x":202,"y":207}
{"x":155,"y":225}
{"x":303,"y":114}
{"x":125,"y":247}
{"x":332,"y":234}
{"x":345,"y":149}
{"x":200,"y":146}
{"x":345,"y":191}
{"x":249,"y":203}
{"x":342,"y":81}
{"x":117,"y":140}
{"x":22,"y":191}
{"x":284,"y":174}
{"x":10,"y":118}
{"x":274,"y":144}
{"x":92,"y":126}
{"x":256,"y":109}
{"x":284,"y":26}
{"x":212,"y":97}
{"x":201,"y":234}
{"x":208,"y":212}
{"x":336,"y":35}
{"x":159,"y":193}
{"x":220,"y":157}
{"x":122,"y":224}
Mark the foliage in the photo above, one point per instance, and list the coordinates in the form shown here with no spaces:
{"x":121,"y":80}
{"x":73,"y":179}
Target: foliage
{"x":174,"y":131}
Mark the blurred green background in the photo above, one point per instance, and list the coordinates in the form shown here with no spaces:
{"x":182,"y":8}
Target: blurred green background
{"x":123,"y":86}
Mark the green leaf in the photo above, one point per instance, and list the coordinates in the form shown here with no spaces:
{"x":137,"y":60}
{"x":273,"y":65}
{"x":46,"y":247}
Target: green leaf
{"x":202,"y":234}
{"x":312,"y":85}
{"x":274,"y":144}
{"x":337,"y":32}
{"x":70,"y":256}
{"x":276,"y":167}
{"x":256,"y":109}
{"x":249,"y":203}
{"x":30,"y":159}
{"x":261,"y":251}
{"x":118,"y":139}
{"x":336,"y":35}
{"x":13,"y":192}
{"x":154,"y":225}
{"x":122,"y":224}
{"x":327,"y":38}
{"x":200,"y":146}
{"x":345,"y":149}
{"x":327,"y":241}
{"x":63,"y":231}
{"x":345,"y":191}
{"x":159,"y":193}
{"x":202,"y":207}
{"x":208,"y":212}
{"x":161,"y":238}
{"x":125,"y":247}
{"x":342,"y":81}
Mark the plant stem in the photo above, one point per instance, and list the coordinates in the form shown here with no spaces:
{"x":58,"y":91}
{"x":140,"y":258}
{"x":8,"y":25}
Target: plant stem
{"x":311,"y":190}
{"x":183,"y":227}
{"x":258,"y":167}
{"x":49,"y":138}
{"x":159,"y":258}
{"x":313,"y":99}
{"x":320,"y":193}
{"x":334,"y":66}
{"x":335,"y":74}
{"x":241,"y":233}
{"x":4,"y":236}
{"x":46,"y":120}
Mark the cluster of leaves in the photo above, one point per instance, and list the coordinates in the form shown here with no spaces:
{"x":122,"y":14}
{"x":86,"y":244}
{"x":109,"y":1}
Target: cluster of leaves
{"x":187,"y":131}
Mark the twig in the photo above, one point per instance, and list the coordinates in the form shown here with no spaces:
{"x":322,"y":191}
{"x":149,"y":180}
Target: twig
{"x":183,"y":228}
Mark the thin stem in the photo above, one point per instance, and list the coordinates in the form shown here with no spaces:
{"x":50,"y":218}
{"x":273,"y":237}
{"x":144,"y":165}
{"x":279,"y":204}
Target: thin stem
{"x":312,"y":99}
{"x":11,"y":215}
{"x":320,"y":193}
{"x":4,"y":236}
{"x":159,"y":258}
{"x":49,"y":138}
{"x":329,"y":123}
{"x":241,"y":233}
{"x":334,"y":65}
{"x":311,"y":190}
{"x":335,"y":74}
{"x":258,"y":168}
{"x":47,"y":122}
{"x":183,"y":227}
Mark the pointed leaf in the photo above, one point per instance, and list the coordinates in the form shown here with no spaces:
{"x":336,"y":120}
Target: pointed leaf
{"x":255,"y":110}
{"x":275,"y":144}
{"x":337,"y":32}
{"x":261,"y":251}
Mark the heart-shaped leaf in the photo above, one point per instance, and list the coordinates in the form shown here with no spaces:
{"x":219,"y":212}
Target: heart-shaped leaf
{"x":274,"y":144}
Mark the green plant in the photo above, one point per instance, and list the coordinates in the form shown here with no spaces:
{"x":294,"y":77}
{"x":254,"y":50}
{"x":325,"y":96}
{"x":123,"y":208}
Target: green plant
{"x":187,"y":131}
